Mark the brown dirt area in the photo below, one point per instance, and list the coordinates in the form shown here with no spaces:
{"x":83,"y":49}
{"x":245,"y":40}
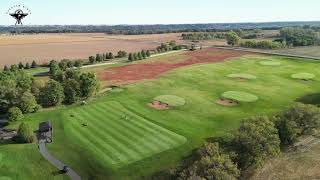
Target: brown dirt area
{"x":45,"y":47}
{"x":159,"y":105}
{"x":143,"y":71}
{"x":226,"y":102}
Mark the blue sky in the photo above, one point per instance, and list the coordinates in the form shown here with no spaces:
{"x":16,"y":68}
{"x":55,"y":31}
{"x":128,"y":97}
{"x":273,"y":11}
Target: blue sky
{"x":162,"y":11}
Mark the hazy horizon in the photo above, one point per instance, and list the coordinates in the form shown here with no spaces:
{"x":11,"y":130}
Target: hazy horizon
{"x":143,"y":12}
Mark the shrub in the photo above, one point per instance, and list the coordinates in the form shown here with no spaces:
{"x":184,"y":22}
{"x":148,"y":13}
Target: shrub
{"x":52,"y":94}
{"x":256,"y":140}
{"x":298,"y":120}
{"x":262,"y":44}
{"x":14,"y":114}
{"x":212,"y":163}
{"x":25,"y":134}
{"x":28,"y":103}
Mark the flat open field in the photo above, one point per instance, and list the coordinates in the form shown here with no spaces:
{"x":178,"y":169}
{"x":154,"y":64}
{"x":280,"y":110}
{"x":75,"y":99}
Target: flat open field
{"x":45,"y":47}
{"x":110,"y":145}
{"x":312,"y":51}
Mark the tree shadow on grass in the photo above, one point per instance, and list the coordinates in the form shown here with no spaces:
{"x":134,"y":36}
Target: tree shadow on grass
{"x":313,"y":99}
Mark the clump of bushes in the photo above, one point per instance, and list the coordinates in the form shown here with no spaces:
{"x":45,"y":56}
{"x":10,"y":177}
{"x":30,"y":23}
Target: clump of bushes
{"x":139,"y":55}
{"x":14,"y":114}
{"x":265,"y":44}
{"x":25,"y":134}
{"x":258,"y":139}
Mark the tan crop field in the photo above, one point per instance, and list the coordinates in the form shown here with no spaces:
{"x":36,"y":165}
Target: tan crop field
{"x":45,"y":47}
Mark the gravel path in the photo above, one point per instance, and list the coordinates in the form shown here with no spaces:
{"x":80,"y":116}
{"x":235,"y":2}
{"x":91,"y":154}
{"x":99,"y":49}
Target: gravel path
{"x":42,"y":148}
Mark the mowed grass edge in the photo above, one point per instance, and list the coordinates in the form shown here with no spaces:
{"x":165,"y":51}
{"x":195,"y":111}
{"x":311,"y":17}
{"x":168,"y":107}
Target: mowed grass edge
{"x":117,"y":135}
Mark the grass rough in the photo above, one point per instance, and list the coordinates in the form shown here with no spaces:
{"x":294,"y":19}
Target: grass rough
{"x":171,"y":100}
{"x":240,"y":96}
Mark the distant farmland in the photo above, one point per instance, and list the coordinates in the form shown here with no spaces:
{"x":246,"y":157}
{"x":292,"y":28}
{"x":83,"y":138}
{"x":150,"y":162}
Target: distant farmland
{"x":45,"y":47}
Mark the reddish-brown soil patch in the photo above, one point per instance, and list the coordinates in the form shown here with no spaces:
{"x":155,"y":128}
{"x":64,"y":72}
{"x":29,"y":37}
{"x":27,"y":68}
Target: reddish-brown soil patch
{"x":159,"y":105}
{"x":136,"y":72}
{"x":226,"y":102}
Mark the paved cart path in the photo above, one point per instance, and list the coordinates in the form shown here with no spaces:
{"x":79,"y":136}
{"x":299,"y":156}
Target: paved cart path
{"x":43,"y":150}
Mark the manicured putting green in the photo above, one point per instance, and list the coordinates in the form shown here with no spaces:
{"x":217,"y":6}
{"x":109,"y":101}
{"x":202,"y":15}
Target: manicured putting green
{"x":240,"y":96}
{"x":242,"y":76}
{"x":303,"y":76}
{"x":171,"y":100}
{"x":117,"y":135}
{"x":270,"y":63}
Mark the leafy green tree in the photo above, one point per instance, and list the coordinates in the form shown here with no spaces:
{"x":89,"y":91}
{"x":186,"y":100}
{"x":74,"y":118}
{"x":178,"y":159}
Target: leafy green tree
{"x":63,"y":65}
{"x":28,"y":103}
{"x":143,"y":54}
{"x":92,"y":60}
{"x":98,"y":58}
{"x":70,"y":64}
{"x":111,"y":55}
{"x":52,"y":94}
{"x":256,"y":140}
{"x":88,"y":84}
{"x":36,"y":87}
{"x":21,"y":66}
{"x":298,"y":120}
{"x":233,"y":38}
{"x":78,"y":63}
{"x":135,"y":56}
{"x":14,"y":68}
{"x":213,"y":164}
{"x":15,"y":114}
{"x":34,"y":64}
{"x":71,"y":91}
{"x":54,"y":68}
{"x":23,"y":80}
{"x":5,"y":68}
{"x":104,"y":57}
{"x":140,"y":56}
{"x":130,"y":57}
{"x":27,"y":66}
{"x":148,"y":53}
{"x":25,"y":134}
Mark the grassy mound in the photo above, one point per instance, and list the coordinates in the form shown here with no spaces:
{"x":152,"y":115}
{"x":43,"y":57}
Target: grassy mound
{"x":270,"y":63}
{"x":240,"y":96}
{"x":303,"y":76}
{"x":117,"y":135}
{"x":116,"y":90}
{"x":171,"y":100}
{"x":242,"y":76}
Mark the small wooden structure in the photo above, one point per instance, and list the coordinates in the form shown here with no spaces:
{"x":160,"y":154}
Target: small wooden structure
{"x":46,"y":131}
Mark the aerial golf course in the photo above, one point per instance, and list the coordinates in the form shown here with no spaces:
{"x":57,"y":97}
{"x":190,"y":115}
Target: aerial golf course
{"x":145,"y":127}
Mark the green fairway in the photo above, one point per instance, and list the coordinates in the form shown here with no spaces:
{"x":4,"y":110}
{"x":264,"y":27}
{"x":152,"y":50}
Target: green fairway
{"x":118,"y":136}
{"x":25,"y":162}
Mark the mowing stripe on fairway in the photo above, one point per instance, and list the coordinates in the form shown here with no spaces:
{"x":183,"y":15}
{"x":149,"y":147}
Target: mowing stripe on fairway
{"x":112,"y":136}
{"x":101,"y":145}
{"x":136,"y":132}
{"x":118,"y":135}
{"x":117,"y":132}
{"x":152,"y":126}
{"x":153,"y":129}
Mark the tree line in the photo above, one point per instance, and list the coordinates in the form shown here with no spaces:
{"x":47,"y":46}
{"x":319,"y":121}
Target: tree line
{"x":289,"y":37}
{"x":258,"y":139}
{"x":153,"y":29}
